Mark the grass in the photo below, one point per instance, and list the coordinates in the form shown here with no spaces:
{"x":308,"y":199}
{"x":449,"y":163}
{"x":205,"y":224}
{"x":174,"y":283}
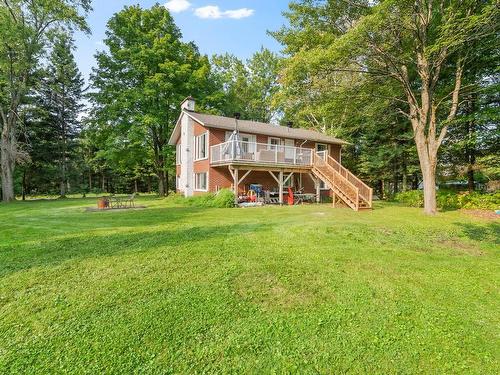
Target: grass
{"x":309,"y":289}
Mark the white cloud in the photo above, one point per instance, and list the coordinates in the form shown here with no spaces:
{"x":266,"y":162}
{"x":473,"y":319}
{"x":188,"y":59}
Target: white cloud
{"x":214,"y":12}
{"x":177,"y":6}
{"x":239,"y":13}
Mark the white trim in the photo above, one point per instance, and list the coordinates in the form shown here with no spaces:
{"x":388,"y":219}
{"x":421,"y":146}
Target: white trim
{"x":323,"y":144}
{"x":193,"y":118}
{"x":269,"y":144}
{"x":194,"y":181}
{"x":196,"y":146}
{"x":178,"y":154}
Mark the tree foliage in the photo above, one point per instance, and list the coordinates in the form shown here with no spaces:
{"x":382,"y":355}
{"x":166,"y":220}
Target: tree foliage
{"x":248,"y":87}
{"x":412,"y":53}
{"x":25,"y":31}
{"x":139,"y":82}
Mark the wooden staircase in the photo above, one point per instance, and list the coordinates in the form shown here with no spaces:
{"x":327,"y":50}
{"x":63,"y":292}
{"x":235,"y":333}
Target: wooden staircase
{"x":350,"y":189}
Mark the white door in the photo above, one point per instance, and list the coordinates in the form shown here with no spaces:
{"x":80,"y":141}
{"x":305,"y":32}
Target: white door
{"x":289,"y":149}
{"x":322,"y":150}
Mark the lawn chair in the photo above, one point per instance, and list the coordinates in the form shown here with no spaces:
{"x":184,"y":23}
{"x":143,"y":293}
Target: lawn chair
{"x":114,"y":202}
{"x":268,"y":199}
{"x":130,"y":200}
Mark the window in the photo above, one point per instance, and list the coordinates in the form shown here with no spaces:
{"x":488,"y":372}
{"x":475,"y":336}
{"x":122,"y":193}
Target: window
{"x":200,"y":181}
{"x":273,"y":143}
{"x":201,"y":147}
{"x":178,"y":155}
{"x":248,"y":142}
{"x":323,"y":186}
{"x":321,"y":147}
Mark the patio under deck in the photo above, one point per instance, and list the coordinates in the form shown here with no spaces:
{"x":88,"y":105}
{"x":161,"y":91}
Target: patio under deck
{"x":281,"y":162}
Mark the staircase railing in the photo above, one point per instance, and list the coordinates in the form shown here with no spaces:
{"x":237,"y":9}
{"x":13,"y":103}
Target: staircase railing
{"x":365,"y":191}
{"x":336,"y":180}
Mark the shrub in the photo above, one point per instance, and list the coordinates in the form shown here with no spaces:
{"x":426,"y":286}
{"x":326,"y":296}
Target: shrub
{"x":480,"y":201}
{"x":447,"y":200}
{"x":412,"y":198}
{"x":222,"y":199}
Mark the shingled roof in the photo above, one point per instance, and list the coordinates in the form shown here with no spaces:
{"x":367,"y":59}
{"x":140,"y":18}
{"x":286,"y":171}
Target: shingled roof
{"x":254,"y":127}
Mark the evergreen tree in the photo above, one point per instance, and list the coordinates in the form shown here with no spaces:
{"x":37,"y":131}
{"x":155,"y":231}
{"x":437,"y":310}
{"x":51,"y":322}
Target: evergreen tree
{"x":25,"y":28}
{"x":61,"y":95}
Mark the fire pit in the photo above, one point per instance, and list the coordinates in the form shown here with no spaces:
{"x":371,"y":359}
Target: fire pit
{"x":103,"y":203}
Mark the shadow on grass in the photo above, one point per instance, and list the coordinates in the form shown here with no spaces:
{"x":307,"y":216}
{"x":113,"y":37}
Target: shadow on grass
{"x":53,"y":252}
{"x":481,"y":232}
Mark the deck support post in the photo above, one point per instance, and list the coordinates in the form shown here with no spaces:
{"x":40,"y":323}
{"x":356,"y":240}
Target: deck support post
{"x":318,"y":191}
{"x":334,"y":198}
{"x":235,"y":185}
{"x":281,"y":186}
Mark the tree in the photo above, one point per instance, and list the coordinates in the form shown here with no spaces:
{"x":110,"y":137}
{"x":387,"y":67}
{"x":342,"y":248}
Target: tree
{"x":24,"y":30}
{"x":248,"y":88}
{"x":422,"y":46}
{"x":140,"y":81}
{"x":61,"y":95}
{"x":474,"y":133}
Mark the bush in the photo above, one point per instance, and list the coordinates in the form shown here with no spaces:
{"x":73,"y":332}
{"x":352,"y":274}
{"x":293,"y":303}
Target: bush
{"x":451,"y":201}
{"x":222,"y":199}
{"x":480,"y":201}
{"x":411,"y":198}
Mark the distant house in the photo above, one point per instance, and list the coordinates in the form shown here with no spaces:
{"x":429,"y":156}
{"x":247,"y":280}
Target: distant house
{"x":215,"y":152}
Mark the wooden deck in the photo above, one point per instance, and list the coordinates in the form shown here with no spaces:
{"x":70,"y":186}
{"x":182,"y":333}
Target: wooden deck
{"x":282,"y":162}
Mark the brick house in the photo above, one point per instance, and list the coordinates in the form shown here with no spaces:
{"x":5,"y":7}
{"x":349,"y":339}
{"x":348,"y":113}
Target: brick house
{"x":216,"y":152}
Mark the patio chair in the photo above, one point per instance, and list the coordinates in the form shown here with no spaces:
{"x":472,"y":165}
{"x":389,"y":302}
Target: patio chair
{"x":114,"y":202}
{"x":130,"y":200}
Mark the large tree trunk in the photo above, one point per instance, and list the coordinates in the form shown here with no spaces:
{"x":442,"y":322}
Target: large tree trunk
{"x":167,"y":191}
{"x":24,"y":185}
{"x":161,"y":182}
{"x":427,"y":156}
{"x":381,"y":189}
{"x":62,"y":185}
{"x":7,"y":166}
{"x":430,"y":204}
{"x":470,"y":178}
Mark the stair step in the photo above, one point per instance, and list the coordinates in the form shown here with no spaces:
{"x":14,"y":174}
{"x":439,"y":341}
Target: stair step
{"x":325,"y":172}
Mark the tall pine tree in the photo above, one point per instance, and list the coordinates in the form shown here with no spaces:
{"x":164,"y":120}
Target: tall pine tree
{"x":61,"y":96}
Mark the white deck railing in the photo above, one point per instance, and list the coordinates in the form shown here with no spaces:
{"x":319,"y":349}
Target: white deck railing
{"x":240,"y":151}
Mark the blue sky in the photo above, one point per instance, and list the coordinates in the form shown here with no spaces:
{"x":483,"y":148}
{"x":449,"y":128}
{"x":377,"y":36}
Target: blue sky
{"x":216,"y":26}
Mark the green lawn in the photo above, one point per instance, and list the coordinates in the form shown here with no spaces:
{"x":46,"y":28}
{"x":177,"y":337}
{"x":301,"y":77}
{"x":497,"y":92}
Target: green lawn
{"x":307,"y":289}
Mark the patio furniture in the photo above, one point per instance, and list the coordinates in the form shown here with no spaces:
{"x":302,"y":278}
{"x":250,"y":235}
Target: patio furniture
{"x":307,"y":197}
{"x":269,"y":199}
{"x":115,"y":202}
{"x":129,"y":200}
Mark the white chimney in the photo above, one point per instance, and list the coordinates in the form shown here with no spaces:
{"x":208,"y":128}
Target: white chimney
{"x":188,"y":103}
